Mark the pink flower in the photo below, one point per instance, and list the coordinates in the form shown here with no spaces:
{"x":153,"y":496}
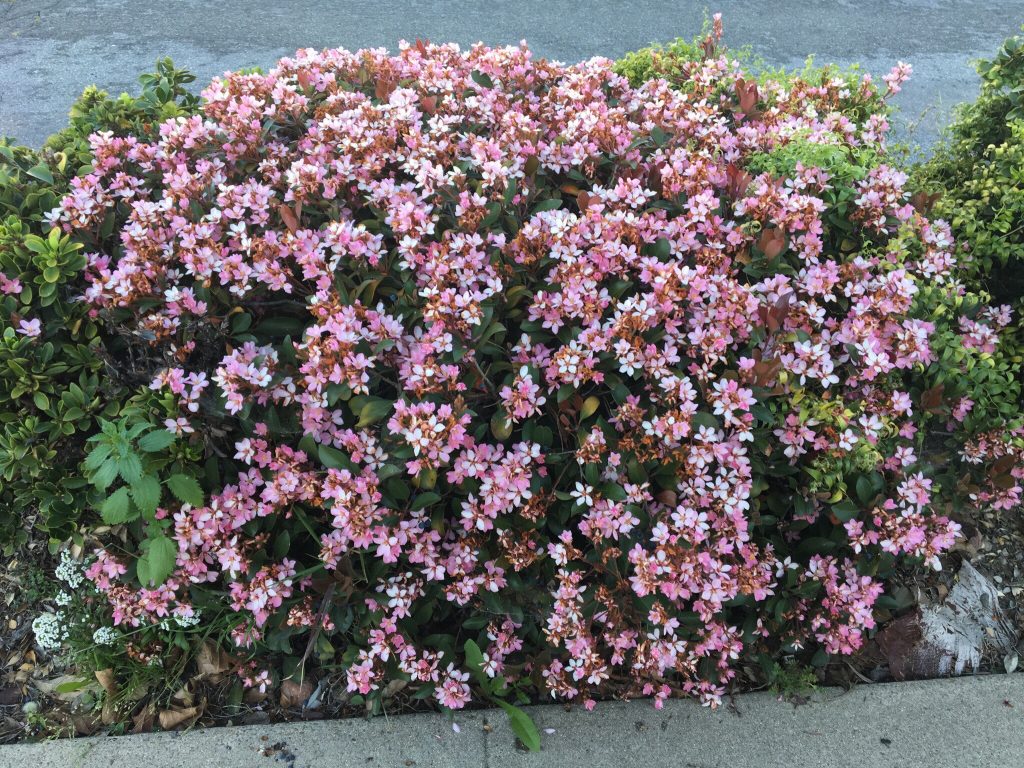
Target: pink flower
{"x":9,"y":285}
{"x":453,"y":691}
{"x":32,"y":328}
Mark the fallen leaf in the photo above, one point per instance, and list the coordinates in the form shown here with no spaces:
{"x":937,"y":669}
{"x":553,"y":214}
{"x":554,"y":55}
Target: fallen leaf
{"x":106,"y":678}
{"x":179,"y":718}
{"x":183,"y":697}
{"x":10,"y":695}
{"x":144,"y":719}
{"x":295,"y":693}
{"x":254,"y":696}
{"x":212,"y":661}
{"x":108,"y":715}
{"x":85,"y":725}
{"x":66,"y":687}
{"x":1010,"y":661}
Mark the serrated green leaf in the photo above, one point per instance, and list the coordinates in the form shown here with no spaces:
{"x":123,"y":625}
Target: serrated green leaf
{"x":146,"y":494}
{"x":104,"y":475}
{"x":186,"y":489}
{"x":130,"y":468}
{"x":156,"y":564}
{"x":157,"y":440}
{"x":117,"y":508}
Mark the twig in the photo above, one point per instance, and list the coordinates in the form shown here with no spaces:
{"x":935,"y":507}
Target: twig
{"x":319,"y":623}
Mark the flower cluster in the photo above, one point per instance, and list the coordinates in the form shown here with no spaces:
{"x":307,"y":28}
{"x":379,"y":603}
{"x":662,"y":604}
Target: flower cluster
{"x":493,"y":338}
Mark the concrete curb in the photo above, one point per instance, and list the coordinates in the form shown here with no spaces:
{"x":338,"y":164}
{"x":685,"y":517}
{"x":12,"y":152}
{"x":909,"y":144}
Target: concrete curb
{"x":957,"y":723}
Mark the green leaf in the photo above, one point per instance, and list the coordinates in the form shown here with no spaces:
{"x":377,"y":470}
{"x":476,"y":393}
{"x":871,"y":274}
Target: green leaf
{"x":661,"y":249}
{"x":130,"y":468}
{"x":548,"y":205}
{"x":104,"y":475}
{"x":71,"y":685}
{"x":475,"y":664}
{"x":282,"y":544}
{"x":186,"y":489}
{"x":156,"y":440}
{"x":703,"y":419}
{"x":41,"y":401}
{"x":423,"y":500}
{"x":375,"y":410}
{"x":845,"y":510}
{"x":156,"y":564}
{"x":117,"y":508}
{"x":41,"y":172}
{"x":865,"y":492}
{"x":522,"y":726}
{"x":482,"y":79}
{"x":474,"y":656}
{"x":146,"y":494}
{"x":332,"y":458}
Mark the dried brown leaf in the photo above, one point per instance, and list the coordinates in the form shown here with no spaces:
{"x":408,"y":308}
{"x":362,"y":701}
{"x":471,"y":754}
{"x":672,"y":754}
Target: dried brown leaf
{"x":144,"y":719}
{"x":294,"y":693}
{"x":106,"y":678}
{"x":212,"y":661}
{"x":179,"y":717}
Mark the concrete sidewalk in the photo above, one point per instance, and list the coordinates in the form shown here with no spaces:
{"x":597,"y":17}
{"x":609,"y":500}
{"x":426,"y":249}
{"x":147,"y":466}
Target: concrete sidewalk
{"x":51,"y":49}
{"x":958,"y":723}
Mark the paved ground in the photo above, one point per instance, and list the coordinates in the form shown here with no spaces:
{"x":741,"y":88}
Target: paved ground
{"x":50,"y":49}
{"x":939,"y":724}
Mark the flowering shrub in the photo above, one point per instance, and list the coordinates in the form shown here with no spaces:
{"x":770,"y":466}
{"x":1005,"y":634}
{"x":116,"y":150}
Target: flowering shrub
{"x":465,"y":365}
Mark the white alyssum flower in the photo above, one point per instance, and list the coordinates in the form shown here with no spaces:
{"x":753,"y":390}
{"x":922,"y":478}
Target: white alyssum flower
{"x":106,"y":636}
{"x":189,"y":621}
{"x":50,"y":630}
{"x":70,"y":571}
{"x":182,"y":621}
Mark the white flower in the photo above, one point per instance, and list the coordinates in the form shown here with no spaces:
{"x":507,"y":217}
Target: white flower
{"x":584,"y":495}
{"x":189,"y":621}
{"x":105,"y":636}
{"x":69,"y":571}
{"x":50,"y":631}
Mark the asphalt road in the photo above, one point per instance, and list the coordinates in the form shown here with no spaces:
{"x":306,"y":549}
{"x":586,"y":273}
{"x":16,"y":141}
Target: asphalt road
{"x":50,"y":50}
